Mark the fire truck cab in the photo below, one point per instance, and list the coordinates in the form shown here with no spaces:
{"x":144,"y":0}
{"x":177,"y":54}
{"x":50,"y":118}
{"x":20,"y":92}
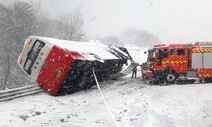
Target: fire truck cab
{"x":178,"y":62}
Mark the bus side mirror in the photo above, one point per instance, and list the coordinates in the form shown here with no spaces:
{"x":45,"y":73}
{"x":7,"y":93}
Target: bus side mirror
{"x":145,"y":52}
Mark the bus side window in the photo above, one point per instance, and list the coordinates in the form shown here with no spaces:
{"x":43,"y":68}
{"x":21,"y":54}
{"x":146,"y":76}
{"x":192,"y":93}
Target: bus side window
{"x":172,"y":52}
{"x":180,"y":52}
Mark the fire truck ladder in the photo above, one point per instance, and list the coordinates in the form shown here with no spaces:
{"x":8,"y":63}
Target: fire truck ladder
{"x":118,"y":52}
{"x":10,"y":94}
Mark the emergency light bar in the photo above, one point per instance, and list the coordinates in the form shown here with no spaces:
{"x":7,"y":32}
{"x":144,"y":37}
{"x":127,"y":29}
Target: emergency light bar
{"x":159,"y":45}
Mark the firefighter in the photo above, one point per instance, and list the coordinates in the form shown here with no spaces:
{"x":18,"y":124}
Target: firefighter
{"x":143,"y":69}
{"x":134,"y":71}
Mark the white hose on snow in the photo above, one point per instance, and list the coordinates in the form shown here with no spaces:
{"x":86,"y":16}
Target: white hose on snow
{"x":112,"y":116}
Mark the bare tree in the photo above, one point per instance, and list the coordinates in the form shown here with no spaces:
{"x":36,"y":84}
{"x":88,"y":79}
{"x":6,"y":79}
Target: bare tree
{"x":69,"y":26}
{"x":112,"y":40}
{"x":17,"y":24}
{"x":20,"y":21}
{"x":4,"y":28}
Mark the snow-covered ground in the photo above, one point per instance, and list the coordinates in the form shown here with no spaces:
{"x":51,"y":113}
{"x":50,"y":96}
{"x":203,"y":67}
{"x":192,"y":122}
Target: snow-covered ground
{"x":132,"y":102}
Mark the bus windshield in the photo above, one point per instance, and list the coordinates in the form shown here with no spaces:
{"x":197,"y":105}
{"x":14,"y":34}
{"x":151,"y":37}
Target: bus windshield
{"x":32,"y":56}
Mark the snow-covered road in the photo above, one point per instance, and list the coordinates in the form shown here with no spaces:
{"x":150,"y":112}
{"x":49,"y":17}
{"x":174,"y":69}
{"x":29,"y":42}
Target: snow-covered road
{"x":133,"y":103}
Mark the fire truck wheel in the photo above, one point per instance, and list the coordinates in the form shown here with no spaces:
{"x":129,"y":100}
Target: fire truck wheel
{"x":170,"y":76}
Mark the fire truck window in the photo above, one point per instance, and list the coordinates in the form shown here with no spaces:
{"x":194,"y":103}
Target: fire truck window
{"x":180,"y":52}
{"x":163,"y":53}
{"x":172,"y":52}
{"x":151,"y":55}
{"x":166,"y":53}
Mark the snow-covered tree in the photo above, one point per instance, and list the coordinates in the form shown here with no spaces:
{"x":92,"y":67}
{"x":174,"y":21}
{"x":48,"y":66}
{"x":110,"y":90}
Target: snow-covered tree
{"x":113,"y":40}
{"x":139,"y":37}
{"x":69,"y":26}
{"x":17,"y":23}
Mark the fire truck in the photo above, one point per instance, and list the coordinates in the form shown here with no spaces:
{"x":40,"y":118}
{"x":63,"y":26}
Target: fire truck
{"x":179,"y":62}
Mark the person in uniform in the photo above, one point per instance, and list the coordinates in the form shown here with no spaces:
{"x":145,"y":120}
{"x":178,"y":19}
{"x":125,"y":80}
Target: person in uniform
{"x":134,"y":71}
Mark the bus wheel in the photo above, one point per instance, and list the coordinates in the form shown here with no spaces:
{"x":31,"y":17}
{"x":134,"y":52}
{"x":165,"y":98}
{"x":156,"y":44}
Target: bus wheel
{"x":170,"y":76}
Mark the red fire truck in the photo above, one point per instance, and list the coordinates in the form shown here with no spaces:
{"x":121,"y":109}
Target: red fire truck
{"x":63,"y":67}
{"x":179,"y":62}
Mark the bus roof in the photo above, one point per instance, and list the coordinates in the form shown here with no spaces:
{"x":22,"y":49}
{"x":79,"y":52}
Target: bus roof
{"x":98,"y":49}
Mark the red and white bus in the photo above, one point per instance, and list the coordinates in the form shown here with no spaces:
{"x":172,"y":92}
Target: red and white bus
{"x":63,"y":67}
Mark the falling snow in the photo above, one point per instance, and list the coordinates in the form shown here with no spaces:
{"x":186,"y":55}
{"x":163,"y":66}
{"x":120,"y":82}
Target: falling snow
{"x":132,"y":102}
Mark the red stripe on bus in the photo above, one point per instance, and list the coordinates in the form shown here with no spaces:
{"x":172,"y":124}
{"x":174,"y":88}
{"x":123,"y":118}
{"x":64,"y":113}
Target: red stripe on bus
{"x":30,"y":41}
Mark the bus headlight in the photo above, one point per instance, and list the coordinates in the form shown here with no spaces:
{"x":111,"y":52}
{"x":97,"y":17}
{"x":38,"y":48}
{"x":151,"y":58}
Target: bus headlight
{"x":67,"y":55}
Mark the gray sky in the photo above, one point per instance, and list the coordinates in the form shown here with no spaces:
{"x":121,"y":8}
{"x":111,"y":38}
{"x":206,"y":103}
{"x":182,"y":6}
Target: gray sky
{"x":171,"y":20}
